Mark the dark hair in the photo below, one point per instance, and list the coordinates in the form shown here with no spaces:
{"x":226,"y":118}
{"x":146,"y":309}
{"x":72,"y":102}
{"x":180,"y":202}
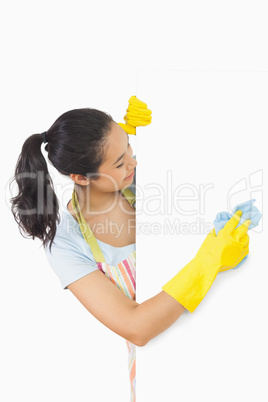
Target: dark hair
{"x":76,"y":144}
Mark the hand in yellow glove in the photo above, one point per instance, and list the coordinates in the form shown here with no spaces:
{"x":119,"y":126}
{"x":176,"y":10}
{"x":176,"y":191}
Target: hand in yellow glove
{"x":137,"y":115}
{"x":216,"y":254}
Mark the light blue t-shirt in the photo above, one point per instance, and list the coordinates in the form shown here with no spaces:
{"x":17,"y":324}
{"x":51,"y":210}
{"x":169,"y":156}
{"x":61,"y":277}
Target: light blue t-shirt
{"x":71,"y":257}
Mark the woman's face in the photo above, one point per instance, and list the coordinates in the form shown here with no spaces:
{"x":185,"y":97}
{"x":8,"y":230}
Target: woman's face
{"x":119,"y":163}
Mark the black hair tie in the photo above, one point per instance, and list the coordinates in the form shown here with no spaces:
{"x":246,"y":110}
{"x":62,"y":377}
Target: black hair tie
{"x":44,"y":135}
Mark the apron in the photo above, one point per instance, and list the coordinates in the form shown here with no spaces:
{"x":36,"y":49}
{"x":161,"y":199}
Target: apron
{"x":123,"y":275}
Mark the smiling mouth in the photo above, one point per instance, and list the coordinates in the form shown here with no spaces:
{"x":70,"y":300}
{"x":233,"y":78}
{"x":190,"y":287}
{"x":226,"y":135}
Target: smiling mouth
{"x":129,"y":175}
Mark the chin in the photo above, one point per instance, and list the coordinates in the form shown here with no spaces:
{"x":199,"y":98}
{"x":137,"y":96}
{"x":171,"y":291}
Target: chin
{"x":126,"y":183}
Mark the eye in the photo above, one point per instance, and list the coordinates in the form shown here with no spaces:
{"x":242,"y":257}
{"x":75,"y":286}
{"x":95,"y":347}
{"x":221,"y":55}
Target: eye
{"x":123,"y":162}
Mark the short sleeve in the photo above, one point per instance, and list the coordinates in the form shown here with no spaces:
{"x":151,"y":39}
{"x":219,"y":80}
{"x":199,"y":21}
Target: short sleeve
{"x":68,"y":262}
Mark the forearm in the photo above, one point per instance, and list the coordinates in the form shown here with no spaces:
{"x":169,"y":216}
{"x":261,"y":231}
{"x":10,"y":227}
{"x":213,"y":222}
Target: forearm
{"x":155,"y":315}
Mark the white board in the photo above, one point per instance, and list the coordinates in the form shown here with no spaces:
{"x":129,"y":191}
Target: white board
{"x":204,"y":152}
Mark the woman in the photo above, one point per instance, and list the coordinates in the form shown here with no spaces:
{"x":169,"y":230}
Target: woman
{"x":96,"y":233}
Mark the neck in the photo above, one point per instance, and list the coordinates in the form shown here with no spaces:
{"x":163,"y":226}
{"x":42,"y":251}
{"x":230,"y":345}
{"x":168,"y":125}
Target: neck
{"x":94,"y":203}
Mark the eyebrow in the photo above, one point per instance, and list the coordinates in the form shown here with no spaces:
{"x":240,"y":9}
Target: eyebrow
{"x":120,"y":157}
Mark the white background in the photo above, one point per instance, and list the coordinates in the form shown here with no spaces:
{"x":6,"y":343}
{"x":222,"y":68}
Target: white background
{"x":202,"y":69}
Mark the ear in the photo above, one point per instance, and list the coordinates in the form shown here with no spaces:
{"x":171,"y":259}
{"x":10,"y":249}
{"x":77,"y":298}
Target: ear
{"x":79,"y":179}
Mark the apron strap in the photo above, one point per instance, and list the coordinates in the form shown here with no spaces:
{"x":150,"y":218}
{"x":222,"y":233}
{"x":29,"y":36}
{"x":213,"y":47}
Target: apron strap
{"x":129,"y":195}
{"x":85,"y":229}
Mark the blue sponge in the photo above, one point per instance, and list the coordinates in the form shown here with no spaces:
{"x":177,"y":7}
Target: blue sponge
{"x":249,"y":212}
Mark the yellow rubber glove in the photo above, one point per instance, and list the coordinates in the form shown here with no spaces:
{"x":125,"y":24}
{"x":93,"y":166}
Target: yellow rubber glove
{"x":137,"y":115}
{"x":216,"y":254}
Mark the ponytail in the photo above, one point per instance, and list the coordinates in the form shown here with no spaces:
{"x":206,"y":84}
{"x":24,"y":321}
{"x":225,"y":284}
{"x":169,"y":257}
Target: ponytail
{"x":75,"y":143}
{"x":36,"y":207}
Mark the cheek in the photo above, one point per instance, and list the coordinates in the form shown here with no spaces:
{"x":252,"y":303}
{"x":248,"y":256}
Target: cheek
{"x":120,"y":175}
{"x":111,"y":180}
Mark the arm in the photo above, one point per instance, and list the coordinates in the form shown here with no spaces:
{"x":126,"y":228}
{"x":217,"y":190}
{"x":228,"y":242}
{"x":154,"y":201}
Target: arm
{"x":155,"y":315}
{"x":138,"y":323}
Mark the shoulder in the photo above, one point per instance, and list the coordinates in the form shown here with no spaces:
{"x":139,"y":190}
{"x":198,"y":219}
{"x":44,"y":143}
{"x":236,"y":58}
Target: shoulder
{"x":70,"y":257}
{"x":68,"y":235}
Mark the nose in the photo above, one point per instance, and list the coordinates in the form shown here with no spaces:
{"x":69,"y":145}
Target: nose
{"x":132,"y":164}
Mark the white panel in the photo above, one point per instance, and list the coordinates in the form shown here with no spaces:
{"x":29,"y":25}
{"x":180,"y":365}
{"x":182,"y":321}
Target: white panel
{"x":205,"y":142}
